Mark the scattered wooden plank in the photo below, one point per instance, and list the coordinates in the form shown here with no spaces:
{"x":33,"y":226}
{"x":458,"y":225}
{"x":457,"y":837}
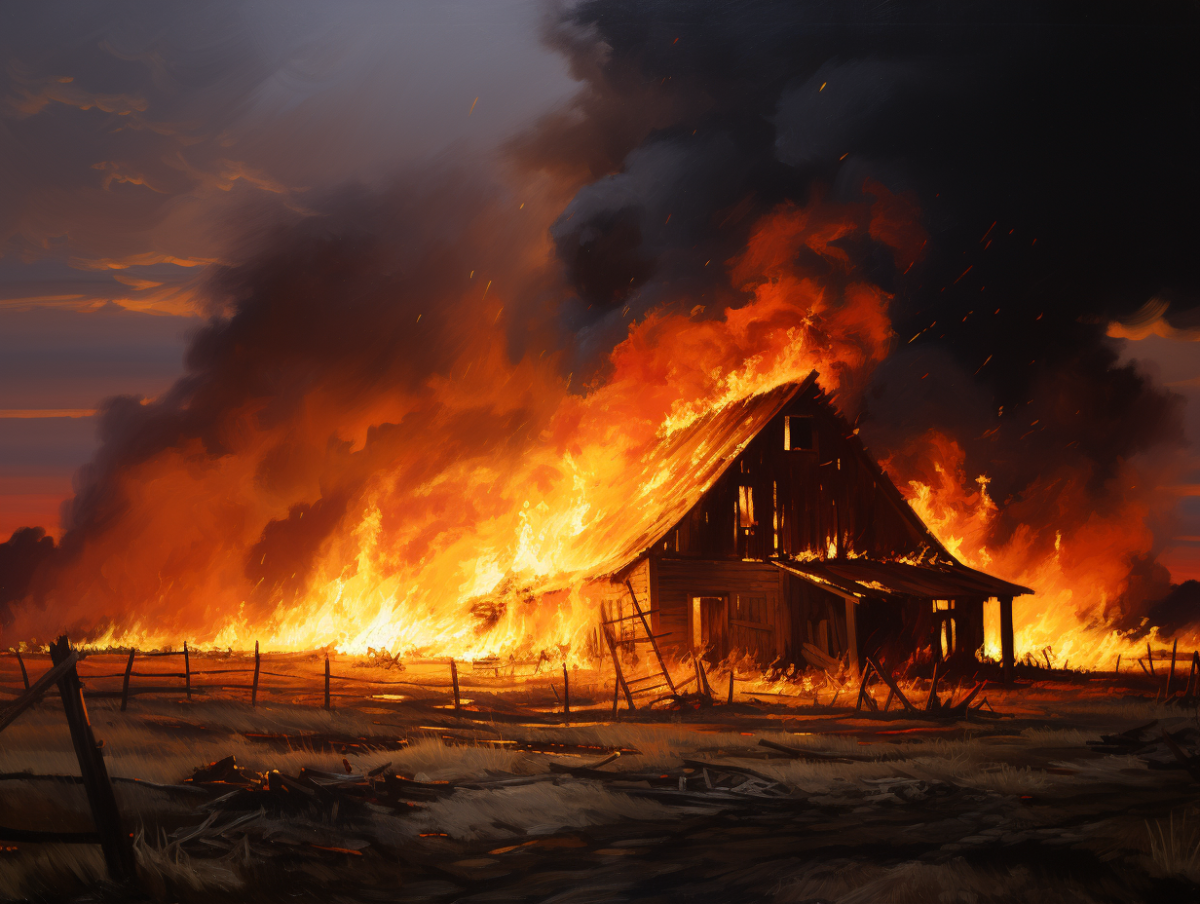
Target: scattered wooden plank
{"x":818,"y":658}
{"x":803,"y":753}
{"x":862,"y":687}
{"x":890,"y":682}
{"x":929,"y":701}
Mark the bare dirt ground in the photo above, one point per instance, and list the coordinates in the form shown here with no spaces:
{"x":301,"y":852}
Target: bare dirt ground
{"x":509,"y":801}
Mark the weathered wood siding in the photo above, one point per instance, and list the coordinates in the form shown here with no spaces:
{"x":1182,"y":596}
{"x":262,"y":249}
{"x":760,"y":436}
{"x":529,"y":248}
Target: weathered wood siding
{"x":754,"y":619}
{"x":613,"y":596}
{"x":775,"y":501}
{"x":818,"y":617}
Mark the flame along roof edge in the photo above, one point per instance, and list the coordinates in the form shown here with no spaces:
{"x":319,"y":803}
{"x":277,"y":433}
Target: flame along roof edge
{"x":785,"y":392}
{"x":866,"y":577}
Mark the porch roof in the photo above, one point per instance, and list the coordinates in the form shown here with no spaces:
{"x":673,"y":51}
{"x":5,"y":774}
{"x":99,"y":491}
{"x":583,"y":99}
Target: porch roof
{"x":865,"y":577}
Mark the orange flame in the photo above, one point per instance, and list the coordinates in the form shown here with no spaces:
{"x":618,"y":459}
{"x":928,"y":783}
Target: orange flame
{"x":454,"y":506}
{"x":1073,"y":551}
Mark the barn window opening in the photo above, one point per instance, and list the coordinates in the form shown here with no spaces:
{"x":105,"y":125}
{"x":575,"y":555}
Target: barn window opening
{"x":746,"y":507}
{"x":775,"y":514}
{"x":798,"y":433}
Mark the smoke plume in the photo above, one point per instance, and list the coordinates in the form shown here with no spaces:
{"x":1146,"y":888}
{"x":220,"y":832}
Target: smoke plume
{"x":945,"y":206}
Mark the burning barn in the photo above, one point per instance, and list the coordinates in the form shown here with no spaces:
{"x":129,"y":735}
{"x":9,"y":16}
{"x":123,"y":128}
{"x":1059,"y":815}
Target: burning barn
{"x":801,"y":550}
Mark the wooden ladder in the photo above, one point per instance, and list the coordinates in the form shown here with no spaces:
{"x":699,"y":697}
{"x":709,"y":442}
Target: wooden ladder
{"x":641,"y":684}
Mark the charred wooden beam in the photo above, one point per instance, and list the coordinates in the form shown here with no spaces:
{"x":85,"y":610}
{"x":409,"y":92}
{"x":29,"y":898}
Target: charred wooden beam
{"x":862,"y":688}
{"x":114,"y":840}
{"x":797,"y":753}
{"x":929,"y":701}
{"x":891,"y":683}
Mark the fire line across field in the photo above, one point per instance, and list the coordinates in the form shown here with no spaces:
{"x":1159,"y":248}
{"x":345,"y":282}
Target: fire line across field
{"x":801,"y":551}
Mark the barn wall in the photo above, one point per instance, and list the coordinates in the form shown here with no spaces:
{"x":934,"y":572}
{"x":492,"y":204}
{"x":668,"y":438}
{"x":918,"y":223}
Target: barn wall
{"x":754,"y":618}
{"x":613,"y":595}
{"x":774,"y":501}
{"x":818,"y":618}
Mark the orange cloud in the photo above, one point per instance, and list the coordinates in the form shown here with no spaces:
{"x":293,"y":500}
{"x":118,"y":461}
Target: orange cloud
{"x":1150,"y":320}
{"x":34,"y":95}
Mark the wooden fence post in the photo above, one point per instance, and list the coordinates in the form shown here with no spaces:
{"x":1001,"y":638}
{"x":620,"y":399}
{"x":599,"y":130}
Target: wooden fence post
{"x":566,"y":691}
{"x":1171,"y":673}
{"x":454,"y":680}
{"x":187,"y":671}
{"x":1118,"y":671}
{"x":730,"y":700}
{"x":118,"y":851}
{"x":1150,"y":658}
{"x":254,"y":688}
{"x":24,"y":674}
{"x":327,"y":681}
{"x":125,"y":683}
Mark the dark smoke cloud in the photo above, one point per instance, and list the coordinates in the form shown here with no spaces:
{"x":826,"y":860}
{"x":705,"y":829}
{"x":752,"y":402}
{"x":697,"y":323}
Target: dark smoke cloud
{"x":328,"y":313}
{"x":1050,"y":149}
{"x":26,"y":552}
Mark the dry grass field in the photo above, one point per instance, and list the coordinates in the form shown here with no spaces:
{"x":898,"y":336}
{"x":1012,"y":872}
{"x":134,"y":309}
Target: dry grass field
{"x":502,"y":805}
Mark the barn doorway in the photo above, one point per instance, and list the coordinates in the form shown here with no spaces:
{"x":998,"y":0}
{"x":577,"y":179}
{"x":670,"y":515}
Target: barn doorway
{"x":709,"y":618}
{"x":945,"y":629}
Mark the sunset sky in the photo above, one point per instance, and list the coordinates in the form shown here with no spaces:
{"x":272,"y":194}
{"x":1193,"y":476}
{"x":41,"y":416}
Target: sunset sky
{"x":136,"y":139}
{"x":139,"y":144}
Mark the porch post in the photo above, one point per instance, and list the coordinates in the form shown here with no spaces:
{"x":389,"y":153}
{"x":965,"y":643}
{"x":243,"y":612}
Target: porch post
{"x":852,"y":633}
{"x":1006,"y":637}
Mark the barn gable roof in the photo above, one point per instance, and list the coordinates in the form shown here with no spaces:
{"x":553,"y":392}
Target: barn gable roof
{"x":710,"y":446}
